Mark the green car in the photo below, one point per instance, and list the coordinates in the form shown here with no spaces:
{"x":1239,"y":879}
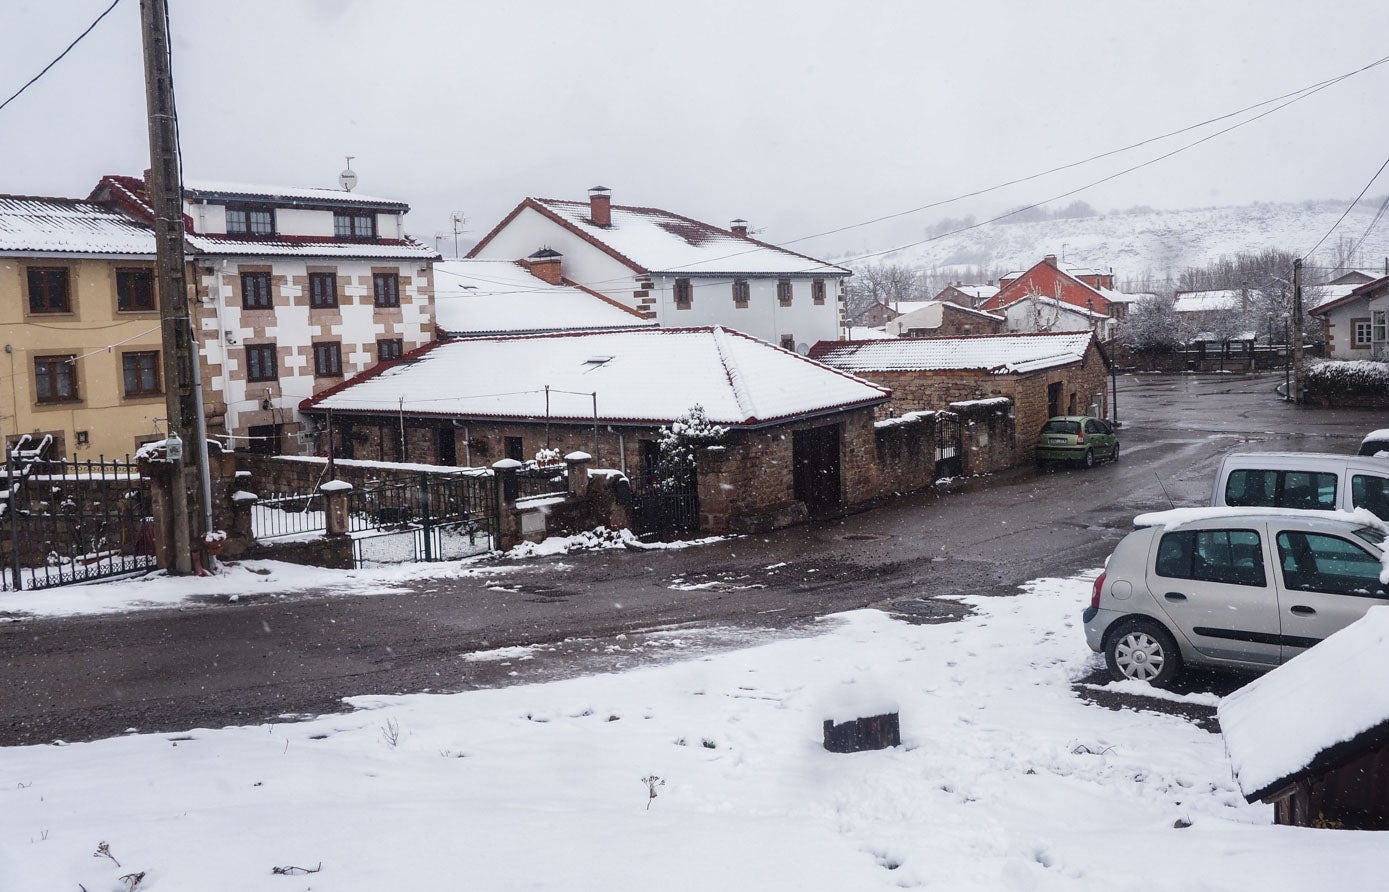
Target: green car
{"x":1078,"y":438}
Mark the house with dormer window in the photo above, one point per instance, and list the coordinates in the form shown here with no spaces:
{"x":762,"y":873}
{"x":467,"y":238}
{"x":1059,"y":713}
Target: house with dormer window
{"x":676,"y":270}
{"x":293,"y":290}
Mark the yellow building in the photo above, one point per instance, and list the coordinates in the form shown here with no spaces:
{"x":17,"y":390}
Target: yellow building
{"x":79,"y":326}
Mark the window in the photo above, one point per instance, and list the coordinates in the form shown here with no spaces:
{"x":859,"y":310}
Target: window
{"x":1379,"y":327}
{"x":265,"y":439}
{"x":262,"y":363}
{"x":386,"y":288}
{"x":682,"y":294}
{"x":1233,"y":557}
{"x":392,"y":348}
{"x":135,"y":290}
{"x":1282,"y":489}
{"x":141,"y":372}
{"x":784,"y":292}
{"x":323,"y":290}
{"x":817,"y":290}
{"x":1314,"y":562}
{"x":1369,"y":491}
{"x":250,"y":221}
{"x":740,"y":293}
{"x":327,"y":360}
{"x":55,"y":378}
{"x":255,"y":291}
{"x":1361,"y":333}
{"x":48,"y":290}
{"x":788,"y":342}
{"x":354,"y":226}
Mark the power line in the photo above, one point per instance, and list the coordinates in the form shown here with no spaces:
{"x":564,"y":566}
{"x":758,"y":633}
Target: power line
{"x":1348,"y":209}
{"x":33,"y":80}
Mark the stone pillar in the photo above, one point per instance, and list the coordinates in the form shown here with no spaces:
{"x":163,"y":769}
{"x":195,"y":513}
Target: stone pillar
{"x":578,"y":463}
{"x":508,"y":518}
{"x":335,"y":511}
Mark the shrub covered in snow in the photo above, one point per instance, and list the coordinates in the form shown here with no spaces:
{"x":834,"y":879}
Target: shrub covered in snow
{"x":1350,"y":375}
{"x":681,"y":440}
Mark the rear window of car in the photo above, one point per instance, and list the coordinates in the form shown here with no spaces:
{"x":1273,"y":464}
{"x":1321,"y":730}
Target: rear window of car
{"x":1371,"y":492}
{"x":1057,"y":426}
{"x":1233,"y":557}
{"x":1281,"y":489}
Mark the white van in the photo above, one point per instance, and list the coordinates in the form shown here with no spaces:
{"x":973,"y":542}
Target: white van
{"x":1309,"y":480}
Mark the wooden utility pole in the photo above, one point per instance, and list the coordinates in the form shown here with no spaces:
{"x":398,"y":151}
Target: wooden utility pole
{"x":1297,"y":331}
{"x":164,"y":184}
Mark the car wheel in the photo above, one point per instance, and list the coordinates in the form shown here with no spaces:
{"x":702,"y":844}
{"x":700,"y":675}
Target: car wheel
{"x":1115,"y":455}
{"x":1141,"y":650}
{"x":1089,"y":459}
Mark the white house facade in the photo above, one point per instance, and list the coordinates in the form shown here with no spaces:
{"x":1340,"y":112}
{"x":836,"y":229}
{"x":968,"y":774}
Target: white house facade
{"x":1357,"y":325}
{"x":678,"y":271}
{"x":294,"y":291}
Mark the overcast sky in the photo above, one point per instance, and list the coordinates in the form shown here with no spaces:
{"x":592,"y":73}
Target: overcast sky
{"x":800,"y":116}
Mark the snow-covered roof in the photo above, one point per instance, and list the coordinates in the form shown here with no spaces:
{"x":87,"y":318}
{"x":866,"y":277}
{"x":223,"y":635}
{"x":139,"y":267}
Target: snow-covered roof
{"x":978,"y":292}
{"x":501,"y":296}
{"x":287,"y":194}
{"x":1000,"y":354}
{"x":1307,"y":714}
{"x":1372,"y":288}
{"x":649,"y":376}
{"x":34,"y":225}
{"x":1219,"y":299}
{"x":659,"y":241}
{"x":1064,"y":306}
{"x":903,"y":307}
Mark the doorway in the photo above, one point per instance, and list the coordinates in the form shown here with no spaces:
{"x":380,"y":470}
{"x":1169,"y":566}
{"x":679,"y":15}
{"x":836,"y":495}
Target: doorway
{"x":815,"y":468}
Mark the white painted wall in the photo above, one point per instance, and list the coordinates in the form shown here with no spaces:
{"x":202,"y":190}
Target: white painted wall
{"x":582,"y":263}
{"x":1341,"y":331}
{"x":1022,"y":316}
{"x":297,"y":221}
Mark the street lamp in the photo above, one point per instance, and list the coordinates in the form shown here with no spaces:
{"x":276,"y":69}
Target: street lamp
{"x":1287,"y":362}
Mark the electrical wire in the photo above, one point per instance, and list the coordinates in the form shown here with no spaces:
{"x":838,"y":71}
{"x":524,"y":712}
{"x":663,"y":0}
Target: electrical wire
{"x":1348,"y":209}
{"x":33,"y":80}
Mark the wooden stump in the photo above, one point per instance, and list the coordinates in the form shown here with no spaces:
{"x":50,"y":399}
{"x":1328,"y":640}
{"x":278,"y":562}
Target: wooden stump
{"x":875,"y":732}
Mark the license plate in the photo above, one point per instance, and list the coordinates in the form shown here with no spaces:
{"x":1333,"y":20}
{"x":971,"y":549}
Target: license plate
{"x":1057,"y":441}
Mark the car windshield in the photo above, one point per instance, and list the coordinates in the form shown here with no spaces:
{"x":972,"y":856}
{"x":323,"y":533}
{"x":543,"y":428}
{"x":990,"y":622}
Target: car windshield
{"x":1061,"y":426}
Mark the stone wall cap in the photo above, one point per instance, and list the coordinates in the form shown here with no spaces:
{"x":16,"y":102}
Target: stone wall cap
{"x":576,"y":457}
{"x":506,"y":464}
{"x":336,"y":486}
{"x":242,"y":495}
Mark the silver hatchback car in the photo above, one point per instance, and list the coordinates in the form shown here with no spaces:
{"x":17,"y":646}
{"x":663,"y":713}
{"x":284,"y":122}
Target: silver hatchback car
{"x":1240,"y":587}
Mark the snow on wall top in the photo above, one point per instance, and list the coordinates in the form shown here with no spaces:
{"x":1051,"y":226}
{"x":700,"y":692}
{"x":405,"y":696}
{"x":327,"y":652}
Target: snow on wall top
{"x":496,"y":296}
{"x":1277,"y":726}
{"x":209,"y":188}
{"x":997,"y":353}
{"x":64,"y":225}
{"x":660,"y":241}
{"x":1199,"y":301}
{"x":644,"y":376}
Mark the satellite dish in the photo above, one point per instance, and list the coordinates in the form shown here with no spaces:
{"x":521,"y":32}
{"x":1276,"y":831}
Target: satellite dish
{"x":347,"y":179}
{"x":803,"y":348}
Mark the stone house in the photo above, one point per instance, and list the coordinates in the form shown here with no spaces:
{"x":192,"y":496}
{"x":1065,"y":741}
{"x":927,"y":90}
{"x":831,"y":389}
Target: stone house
{"x":676,"y":270}
{"x":1062,"y":373}
{"x":1089,"y":289}
{"x":943,"y":319}
{"x":293,"y":290}
{"x":970,"y":296}
{"x":801,"y":439}
{"x":1356,"y":326}
{"x":80,"y":326}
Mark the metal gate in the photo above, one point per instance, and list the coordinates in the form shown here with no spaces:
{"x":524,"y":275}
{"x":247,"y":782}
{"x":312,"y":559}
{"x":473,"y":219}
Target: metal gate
{"x":67,"y":521}
{"x":949,"y":458}
{"x":428,"y":518}
{"x":663,"y":509}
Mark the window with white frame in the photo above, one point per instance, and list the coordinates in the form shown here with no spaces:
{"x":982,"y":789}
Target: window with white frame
{"x":1361,"y":333}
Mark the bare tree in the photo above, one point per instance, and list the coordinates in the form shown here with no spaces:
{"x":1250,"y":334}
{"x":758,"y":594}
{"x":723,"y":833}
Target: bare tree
{"x":1152,"y":326}
{"x":889,"y":283}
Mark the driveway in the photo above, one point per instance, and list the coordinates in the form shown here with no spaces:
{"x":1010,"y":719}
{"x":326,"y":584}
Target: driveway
{"x":83,"y":678}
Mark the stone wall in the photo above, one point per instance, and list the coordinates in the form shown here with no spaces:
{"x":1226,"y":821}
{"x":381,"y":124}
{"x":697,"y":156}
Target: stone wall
{"x":988,"y":435}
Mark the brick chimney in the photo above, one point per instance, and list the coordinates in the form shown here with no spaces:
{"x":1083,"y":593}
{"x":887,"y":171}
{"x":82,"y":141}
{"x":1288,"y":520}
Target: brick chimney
{"x":739,"y":227}
{"x":600,"y":204}
{"x":1050,"y":260}
{"x":544,"y":265}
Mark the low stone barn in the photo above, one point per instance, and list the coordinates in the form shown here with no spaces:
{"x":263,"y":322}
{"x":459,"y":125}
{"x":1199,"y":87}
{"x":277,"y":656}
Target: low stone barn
{"x":1312,"y":736}
{"x":1044,"y":374}
{"x":801,"y":439}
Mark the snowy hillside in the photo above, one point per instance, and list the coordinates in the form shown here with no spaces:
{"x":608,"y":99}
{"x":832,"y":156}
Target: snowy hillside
{"x":1156,"y":242}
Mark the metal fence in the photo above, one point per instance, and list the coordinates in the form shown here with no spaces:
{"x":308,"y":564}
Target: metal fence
{"x":286,"y":517}
{"x":67,"y":521}
{"x":428,"y":518}
{"x":531,"y":481}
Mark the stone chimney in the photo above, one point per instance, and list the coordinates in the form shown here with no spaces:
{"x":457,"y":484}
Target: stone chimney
{"x":1050,"y":260}
{"x":600,"y":205}
{"x":544,"y":265}
{"x":739,"y":227}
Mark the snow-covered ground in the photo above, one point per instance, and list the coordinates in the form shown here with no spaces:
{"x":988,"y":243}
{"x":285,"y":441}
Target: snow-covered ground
{"x":1006,"y":779}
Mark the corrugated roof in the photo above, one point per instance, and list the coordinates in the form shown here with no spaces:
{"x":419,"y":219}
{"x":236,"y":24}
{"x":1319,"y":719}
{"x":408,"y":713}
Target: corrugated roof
{"x":995,"y":353}
{"x":646,"y":376}
{"x":209,"y":188}
{"x":66,"y":226}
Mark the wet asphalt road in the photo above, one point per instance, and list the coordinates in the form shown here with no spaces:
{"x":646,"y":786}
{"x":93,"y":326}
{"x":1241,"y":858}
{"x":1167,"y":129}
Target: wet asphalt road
{"x":210,"y":665}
